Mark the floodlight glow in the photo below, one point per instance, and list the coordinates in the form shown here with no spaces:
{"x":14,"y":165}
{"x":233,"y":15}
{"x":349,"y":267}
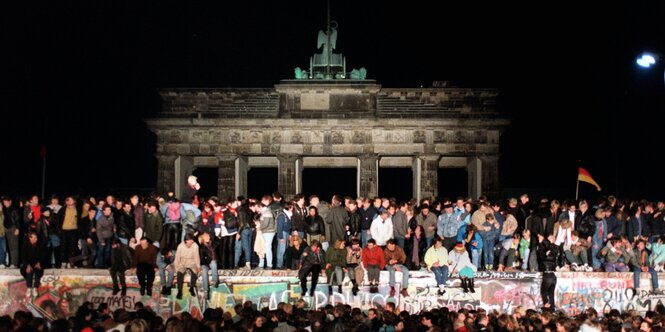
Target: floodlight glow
{"x":646,"y":60}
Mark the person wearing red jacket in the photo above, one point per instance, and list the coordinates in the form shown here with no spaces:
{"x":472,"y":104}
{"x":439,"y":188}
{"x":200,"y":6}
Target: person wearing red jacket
{"x":374,"y":262}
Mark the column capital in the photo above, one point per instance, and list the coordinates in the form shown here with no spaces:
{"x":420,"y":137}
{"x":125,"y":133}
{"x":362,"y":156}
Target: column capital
{"x":369,"y":156}
{"x":226,"y":157}
{"x":287,"y":157}
{"x":429,"y":157}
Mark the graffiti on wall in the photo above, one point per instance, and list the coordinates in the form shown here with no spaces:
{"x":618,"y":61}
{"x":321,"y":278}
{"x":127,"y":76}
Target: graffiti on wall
{"x":578,"y":291}
{"x":59,"y":294}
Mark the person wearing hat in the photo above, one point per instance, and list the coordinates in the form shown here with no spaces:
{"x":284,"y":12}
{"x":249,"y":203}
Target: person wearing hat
{"x":447,"y":226}
{"x":461,"y":264}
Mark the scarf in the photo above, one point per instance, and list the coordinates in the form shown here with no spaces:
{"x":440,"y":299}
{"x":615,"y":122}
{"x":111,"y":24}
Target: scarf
{"x":415,"y":258}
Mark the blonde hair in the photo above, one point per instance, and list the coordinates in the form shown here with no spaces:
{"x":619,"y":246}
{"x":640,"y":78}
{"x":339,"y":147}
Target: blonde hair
{"x":200,"y":238}
{"x":137,"y":325}
{"x":295,"y":238}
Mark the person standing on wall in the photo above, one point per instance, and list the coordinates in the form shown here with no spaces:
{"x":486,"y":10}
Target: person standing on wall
{"x":121,"y":260}
{"x":547,"y":253}
{"x":312,"y":261}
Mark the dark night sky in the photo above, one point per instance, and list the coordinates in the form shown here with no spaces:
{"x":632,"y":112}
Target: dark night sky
{"x":81,"y":77}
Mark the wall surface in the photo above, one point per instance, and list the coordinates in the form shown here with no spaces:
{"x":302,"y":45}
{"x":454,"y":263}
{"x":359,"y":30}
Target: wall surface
{"x":62,"y":291}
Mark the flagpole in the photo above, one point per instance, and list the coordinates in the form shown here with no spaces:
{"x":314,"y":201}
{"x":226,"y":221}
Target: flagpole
{"x":577,"y":189}
{"x":577,"y":186}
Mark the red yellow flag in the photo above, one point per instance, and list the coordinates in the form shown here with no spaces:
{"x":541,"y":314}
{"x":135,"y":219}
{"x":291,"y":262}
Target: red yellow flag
{"x":584,"y":176}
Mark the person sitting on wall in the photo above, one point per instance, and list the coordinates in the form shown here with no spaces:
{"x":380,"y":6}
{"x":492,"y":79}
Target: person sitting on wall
{"x":312,"y":261}
{"x":640,"y":262}
{"x":187,"y":258}
{"x":374,"y":262}
{"x":145,"y":263}
{"x":31,"y":268}
{"x":436,"y":259}
{"x":510,"y":252}
{"x":336,"y":264}
{"x":294,"y":253}
{"x":461,"y":264}
{"x":165,"y":265}
{"x":208,"y":259}
{"x":354,"y":264}
{"x":615,"y":256}
{"x":394,"y":257}
{"x":576,"y":253}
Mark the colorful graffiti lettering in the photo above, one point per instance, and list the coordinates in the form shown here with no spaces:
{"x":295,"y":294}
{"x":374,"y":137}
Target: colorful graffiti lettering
{"x":60,"y":294}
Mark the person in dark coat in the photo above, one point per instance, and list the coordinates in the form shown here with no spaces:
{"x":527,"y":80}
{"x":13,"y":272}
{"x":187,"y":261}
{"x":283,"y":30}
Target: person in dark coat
{"x":355,"y":219}
{"x":313,"y":259}
{"x":125,"y":225}
{"x":121,"y":261}
{"x":548,"y":257}
{"x":585,"y":223}
{"x":314,"y":225}
{"x":31,"y":268}
{"x":145,"y":263}
{"x":336,"y":220}
{"x":13,"y":230}
{"x":294,"y":253}
{"x":415,"y":256}
{"x":87,"y":237}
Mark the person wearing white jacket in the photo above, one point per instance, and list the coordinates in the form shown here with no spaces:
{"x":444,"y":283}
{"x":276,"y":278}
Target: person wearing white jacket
{"x":382,"y":228}
{"x":461,"y":264}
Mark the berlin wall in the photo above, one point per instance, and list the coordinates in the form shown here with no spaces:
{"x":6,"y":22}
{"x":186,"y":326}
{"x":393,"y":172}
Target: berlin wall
{"x":62,"y":291}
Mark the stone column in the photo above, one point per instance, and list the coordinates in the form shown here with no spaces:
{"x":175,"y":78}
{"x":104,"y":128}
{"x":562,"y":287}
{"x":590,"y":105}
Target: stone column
{"x":368,"y":175}
{"x":474,"y":167}
{"x":165,"y":173}
{"x":426,"y":176}
{"x":226,"y":179}
{"x":184,"y":166}
{"x":299,"y":168}
{"x":286,"y":173}
{"x":241,"y":169}
{"x":490,"y":176}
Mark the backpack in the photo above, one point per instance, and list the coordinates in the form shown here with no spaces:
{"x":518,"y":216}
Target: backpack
{"x":190,"y":222}
{"x":173,"y":211}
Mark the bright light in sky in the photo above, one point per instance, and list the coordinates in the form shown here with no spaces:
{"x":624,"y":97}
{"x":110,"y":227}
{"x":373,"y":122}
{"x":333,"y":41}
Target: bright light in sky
{"x":646,"y":60}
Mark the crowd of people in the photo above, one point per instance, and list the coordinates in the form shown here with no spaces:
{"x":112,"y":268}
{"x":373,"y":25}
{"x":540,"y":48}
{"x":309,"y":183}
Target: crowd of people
{"x":339,"y":318}
{"x":348,"y":237}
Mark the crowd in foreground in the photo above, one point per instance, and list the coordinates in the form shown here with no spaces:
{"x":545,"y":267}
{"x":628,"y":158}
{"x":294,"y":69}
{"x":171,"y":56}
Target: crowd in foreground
{"x":339,"y":318}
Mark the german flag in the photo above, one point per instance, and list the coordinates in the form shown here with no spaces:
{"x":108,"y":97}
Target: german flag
{"x":584,"y":176}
